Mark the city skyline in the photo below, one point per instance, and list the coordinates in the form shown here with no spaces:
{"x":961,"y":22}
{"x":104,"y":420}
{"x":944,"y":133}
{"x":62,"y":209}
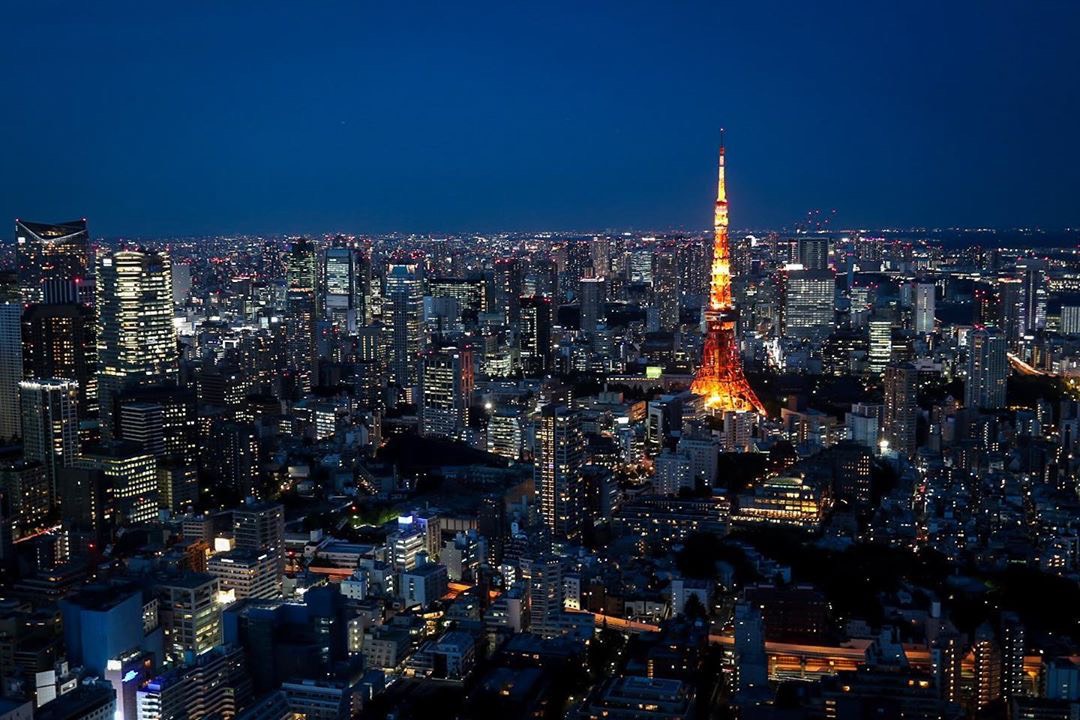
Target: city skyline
{"x":424,"y":120}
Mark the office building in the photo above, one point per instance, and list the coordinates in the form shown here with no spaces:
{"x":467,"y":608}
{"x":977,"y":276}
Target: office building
{"x":509,"y":285}
{"x":136,"y":339}
{"x":809,"y":303}
{"x":537,"y":317}
{"x":11,"y":369}
{"x":215,"y":684}
{"x":190,"y":613}
{"x":58,"y":342}
{"x":340,"y":288}
{"x":50,"y":424}
{"x":260,"y":527}
{"x":593,"y":295}
{"x":246,"y":574}
{"x":403,"y":316}
{"x":446,"y":391}
{"x":129,"y":478}
{"x":880,"y":353}
{"x":302,"y":314}
{"x":814,"y":252}
{"x":54,"y":262}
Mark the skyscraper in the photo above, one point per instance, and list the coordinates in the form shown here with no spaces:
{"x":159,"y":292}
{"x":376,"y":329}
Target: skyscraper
{"x":340,"y":294}
{"x":1011,"y":310}
{"x":924,"y":308}
{"x":901,"y":408}
{"x":560,"y":447}
{"x":1034,"y":300}
{"x":301,"y":314}
{"x":537,"y":314}
{"x":814,"y":252}
{"x":720,"y":379}
{"x":666,"y":290}
{"x":58,"y":342}
{"x":880,"y":353}
{"x":403,"y":309}
{"x":447,"y":385}
{"x":11,"y":368}
{"x":136,"y":339}
{"x":50,"y":425}
{"x":808,"y":303}
{"x":987,"y":370}
{"x":509,"y":281}
{"x":54,"y":262}
{"x":593,"y":292}
{"x":162,"y":421}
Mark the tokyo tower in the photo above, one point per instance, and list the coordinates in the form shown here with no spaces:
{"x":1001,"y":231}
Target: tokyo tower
{"x":720,"y":379}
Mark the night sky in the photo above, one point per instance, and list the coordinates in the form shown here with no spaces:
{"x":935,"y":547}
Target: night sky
{"x":161,"y":118}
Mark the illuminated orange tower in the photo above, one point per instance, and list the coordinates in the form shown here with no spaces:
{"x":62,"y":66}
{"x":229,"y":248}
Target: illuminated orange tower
{"x":720,"y":379}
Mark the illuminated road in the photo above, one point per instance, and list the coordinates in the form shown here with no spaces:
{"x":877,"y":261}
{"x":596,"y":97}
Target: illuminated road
{"x":1024,"y":368}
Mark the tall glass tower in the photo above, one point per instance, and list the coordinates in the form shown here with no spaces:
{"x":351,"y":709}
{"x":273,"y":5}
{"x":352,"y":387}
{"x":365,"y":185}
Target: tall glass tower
{"x":136,"y":339}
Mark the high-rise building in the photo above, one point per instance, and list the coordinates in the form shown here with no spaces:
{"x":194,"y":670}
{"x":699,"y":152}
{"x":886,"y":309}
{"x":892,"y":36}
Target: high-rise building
{"x":302,"y":314}
{"x":560,"y":449}
{"x":50,"y":425}
{"x":1070,"y":320}
{"x":814,"y":252}
{"x":1012,"y":655}
{"x":751,"y":662}
{"x":58,"y":342}
{"x":880,"y":353}
{"x":11,"y":368}
{"x":129,"y":476}
{"x":446,"y":391}
{"x":545,"y":596}
{"x":190,"y":614}
{"x":924,"y":308}
{"x":214,"y":684}
{"x":809,"y":303}
{"x":1034,"y":300}
{"x":260,"y":527}
{"x":504,"y":434}
{"x":509,"y":285}
{"x":54,"y":262}
{"x":136,"y":339}
{"x":403,"y":311}
{"x":987,"y":370}
{"x":162,"y":420}
{"x":181,"y":283}
{"x":25,"y":498}
{"x":901,"y":407}
{"x":986,"y":654}
{"x":246,"y":573}
{"x":1011,"y":310}
{"x":666,"y":290}
{"x":593,"y":292}
{"x":601,"y":256}
{"x":537,"y":314}
{"x":341,"y":271}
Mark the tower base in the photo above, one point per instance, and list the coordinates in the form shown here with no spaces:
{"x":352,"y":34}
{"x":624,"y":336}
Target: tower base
{"x":720,"y":379}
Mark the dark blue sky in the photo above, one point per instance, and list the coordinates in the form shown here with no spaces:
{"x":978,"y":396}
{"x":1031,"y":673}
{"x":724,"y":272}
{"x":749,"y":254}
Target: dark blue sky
{"x":155,"y":118}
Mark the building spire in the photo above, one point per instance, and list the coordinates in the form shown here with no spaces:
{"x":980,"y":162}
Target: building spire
{"x":721,"y":189}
